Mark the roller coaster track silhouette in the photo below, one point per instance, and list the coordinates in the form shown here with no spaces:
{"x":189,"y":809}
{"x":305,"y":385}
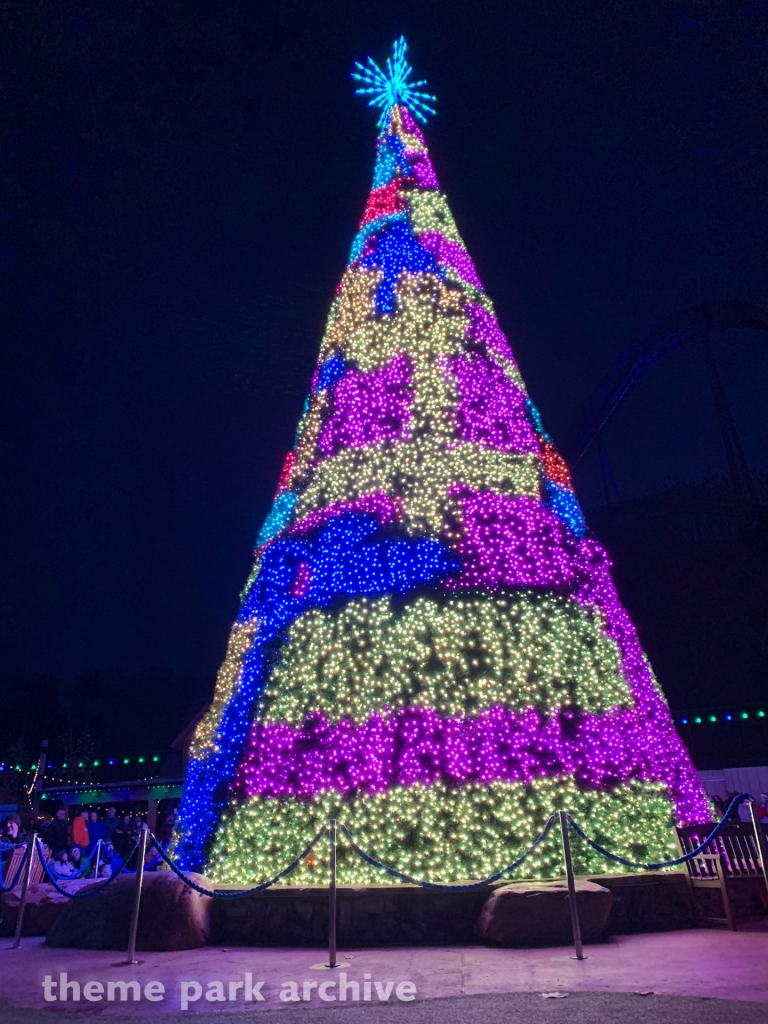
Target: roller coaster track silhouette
{"x":691,"y":325}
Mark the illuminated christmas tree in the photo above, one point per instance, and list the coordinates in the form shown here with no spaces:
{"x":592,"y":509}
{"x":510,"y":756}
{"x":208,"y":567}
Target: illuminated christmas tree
{"x":430,"y":646}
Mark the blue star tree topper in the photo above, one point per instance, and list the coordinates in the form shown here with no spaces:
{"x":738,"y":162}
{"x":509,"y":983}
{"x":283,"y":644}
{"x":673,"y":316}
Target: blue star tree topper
{"x":389,"y":88}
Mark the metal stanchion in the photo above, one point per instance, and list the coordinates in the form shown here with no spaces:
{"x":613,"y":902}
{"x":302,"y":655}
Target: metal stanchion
{"x":31,"y":850}
{"x":762,"y":842}
{"x":332,"y":899}
{"x":332,"y":962}
{"x":140,"y":855}
{"x":98,"y":852}
{"x":579,"y":952}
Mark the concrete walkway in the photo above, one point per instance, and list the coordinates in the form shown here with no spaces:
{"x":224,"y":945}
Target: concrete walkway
{"x":470,"y":983}
{"x":512,"y":1008}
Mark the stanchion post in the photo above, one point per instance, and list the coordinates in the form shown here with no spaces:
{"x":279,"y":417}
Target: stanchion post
{"x":579,"y":951}
{"x":31,"y":851}
{"x":332,"y":898}
{"x":140,"y":855}
{"x":762,"y":843}
{"x":98,"y":852}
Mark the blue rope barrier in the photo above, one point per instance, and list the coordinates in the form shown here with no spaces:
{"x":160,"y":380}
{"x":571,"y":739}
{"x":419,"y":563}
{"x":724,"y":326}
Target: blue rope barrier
{"x":4,"y":847}
{"x":154,"y":861}
{"x":448,"y":887}
{"x":88,"y":863}
{"x":75,"y":874}
{"x":664,"y":863}
{"x":86,"y":866}
{"x":240,"y":894}
{"x":368,"y":858}
{"x":91,"y":892}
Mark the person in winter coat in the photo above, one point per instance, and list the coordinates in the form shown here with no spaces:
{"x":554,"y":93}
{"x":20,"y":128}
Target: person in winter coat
{"x":12,"y":831}
{"x":110,"y":824}
{"x":95,"y":830}
{"x":80,"y":835}
{"x":56,"y":833}
{"x":124,"y":835}
{"x":113,"y":857}
{"x":62,"y":865}
{"x":78,"y":861}
{"x":11,"y":834}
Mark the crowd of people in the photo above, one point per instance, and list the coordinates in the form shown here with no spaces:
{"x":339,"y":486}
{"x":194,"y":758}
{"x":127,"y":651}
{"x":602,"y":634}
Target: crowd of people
{"x":742,"y":811}
{"x":90,"y":845}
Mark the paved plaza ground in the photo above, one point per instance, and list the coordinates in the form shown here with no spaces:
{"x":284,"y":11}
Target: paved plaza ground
{"x":702,"y":976}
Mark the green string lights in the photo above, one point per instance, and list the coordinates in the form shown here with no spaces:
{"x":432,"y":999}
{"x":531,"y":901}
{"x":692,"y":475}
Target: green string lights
{"x":96,"y":763}
{"x":728,"y":716}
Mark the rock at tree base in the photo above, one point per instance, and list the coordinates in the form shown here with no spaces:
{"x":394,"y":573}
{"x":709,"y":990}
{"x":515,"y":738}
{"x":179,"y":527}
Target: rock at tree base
{"x":172,"y":916}
{"x":538,"y":914}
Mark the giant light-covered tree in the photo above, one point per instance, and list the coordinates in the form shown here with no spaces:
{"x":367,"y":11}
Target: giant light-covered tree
{"x":430,"y":645}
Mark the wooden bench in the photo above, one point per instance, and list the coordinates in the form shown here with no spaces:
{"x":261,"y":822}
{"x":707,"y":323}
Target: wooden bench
{"x":11,"y":866}
{"x":12,"y":863}
{"x":38,"y":873}
{"x":730,"y":863}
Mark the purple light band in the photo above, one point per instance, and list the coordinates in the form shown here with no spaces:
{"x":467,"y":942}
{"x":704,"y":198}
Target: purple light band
{"x":410,"y":125}
{"x":380,"y":505}
{"x":420,"y":164}
{"x":415,"y":745}
{"x":422,"y":170}
{"x":369,"y":407}
{"x":484,"y":329}
{"x":675,"y":766}
{"x":452,"y":254}
{"x":491,"y":408}
{"x":516,"y":542}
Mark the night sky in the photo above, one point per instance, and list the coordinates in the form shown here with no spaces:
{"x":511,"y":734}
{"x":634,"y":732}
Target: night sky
{"x":180,"y":186}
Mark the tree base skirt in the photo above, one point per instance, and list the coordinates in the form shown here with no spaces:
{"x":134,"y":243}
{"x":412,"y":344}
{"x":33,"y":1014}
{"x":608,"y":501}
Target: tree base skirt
{"x":405,"y":915}
{"x":389,"y":915}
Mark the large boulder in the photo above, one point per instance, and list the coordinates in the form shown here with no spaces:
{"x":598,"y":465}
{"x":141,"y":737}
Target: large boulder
{"x":538,"y":914}
{"x":171,"y":916}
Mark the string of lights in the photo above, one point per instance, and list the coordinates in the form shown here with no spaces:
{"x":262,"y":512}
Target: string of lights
{"x":100,"y":762}
{"x":711,"y":718}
